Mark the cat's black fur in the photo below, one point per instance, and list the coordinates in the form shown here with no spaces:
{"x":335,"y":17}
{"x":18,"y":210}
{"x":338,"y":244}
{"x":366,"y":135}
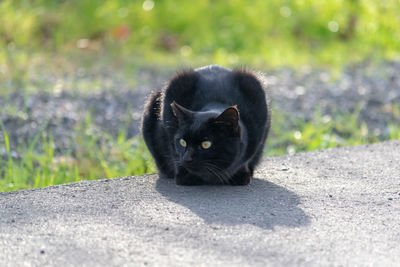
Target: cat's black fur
{"x":229,"y":108}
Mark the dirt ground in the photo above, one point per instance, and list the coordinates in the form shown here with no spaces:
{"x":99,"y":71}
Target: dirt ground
{"x":375,"y":88}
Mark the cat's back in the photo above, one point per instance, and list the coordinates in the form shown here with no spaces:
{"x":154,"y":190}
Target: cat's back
{"x":212,"y":71}
{"x":228,"y":87}
{"x":215,"y":84}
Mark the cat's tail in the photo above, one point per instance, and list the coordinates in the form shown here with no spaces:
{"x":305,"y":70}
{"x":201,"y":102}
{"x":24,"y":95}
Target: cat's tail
{"x":155,"y":136}
{"x":152,"y":111}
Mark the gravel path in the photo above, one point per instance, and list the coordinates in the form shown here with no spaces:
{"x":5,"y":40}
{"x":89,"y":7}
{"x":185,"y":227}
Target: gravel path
{"x":374,"y":87}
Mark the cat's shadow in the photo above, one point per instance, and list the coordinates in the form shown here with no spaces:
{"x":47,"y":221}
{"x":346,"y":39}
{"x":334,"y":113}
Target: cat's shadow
{"x":262,"y":203}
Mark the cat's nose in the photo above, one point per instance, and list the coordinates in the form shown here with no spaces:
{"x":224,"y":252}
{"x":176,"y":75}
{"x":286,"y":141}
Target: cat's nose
{"x":187,"y":157}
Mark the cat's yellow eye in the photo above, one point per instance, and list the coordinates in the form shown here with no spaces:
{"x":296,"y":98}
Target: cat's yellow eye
{"x":205,"y":144}
{"x":182,"y":142}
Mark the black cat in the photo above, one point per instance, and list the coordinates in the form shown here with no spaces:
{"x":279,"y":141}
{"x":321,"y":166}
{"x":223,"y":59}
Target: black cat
{"x":208,"y":126}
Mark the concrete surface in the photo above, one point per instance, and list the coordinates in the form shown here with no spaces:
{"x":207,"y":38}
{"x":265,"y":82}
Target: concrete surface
{"x":338,"y":207}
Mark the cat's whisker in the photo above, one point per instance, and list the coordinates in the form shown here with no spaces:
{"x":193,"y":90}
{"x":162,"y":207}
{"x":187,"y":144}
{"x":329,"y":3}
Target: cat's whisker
{"x":218,"y":172}
{"x":214,"y":173}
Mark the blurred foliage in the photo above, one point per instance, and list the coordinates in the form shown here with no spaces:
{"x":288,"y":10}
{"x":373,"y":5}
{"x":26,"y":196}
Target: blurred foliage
{"x":259,"y":32}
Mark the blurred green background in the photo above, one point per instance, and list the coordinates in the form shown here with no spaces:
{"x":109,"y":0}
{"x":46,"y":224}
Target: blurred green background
{"x":261,"y":33}
{"x":83,"y":47}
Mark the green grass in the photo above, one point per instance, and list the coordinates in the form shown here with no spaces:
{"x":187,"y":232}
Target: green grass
{"x":97,"y":156}
{"x":290,"y":134}
{"x":102,"y":156}
{"x":260,"y":33}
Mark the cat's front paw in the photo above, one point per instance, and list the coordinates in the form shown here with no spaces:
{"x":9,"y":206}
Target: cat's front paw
{"x":242,"y":177}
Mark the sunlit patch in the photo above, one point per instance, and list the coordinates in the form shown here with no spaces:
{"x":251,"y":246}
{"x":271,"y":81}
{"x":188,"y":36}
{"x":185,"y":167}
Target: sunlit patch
{"x":326,"y":118}
{"x":291,"y":150}
{"x":83,"y":43}
{"x":333,"y":26}
{"x":297,"y":135}
{"x":299,"y":90}
{"x":205,"y":144}
{"x":148,"y":5}
{"x":285,"y":12}
{"x":186,"y":50}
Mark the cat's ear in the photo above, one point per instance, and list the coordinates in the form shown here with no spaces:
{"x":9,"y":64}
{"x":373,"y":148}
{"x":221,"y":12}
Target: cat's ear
{"x":229,"y":117}
{"x":181,"y":113}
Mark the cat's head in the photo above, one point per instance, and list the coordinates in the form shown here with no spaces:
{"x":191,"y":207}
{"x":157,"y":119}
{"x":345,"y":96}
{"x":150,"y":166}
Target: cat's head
{"x":207,"y":142}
